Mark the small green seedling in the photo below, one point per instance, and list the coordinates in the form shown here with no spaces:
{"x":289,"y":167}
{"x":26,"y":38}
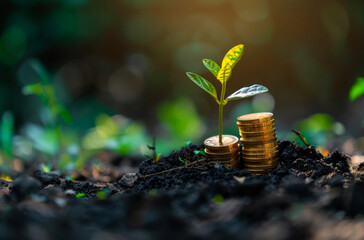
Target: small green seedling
{"x":80,"y":195}
{"x":182,"y":161}
{"x":155,"y":155}
{"x":303,"y":138}
{"x":199,"y":152}
{"x":223,"y":74}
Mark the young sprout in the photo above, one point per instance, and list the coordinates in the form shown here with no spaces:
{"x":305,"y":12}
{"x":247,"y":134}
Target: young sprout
{"x":154,"y":152}
{"x":223,"y":74}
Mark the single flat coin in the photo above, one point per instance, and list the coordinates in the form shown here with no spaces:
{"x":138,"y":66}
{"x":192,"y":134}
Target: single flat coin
{"x":228,"y":141}
{"x":256,"y":129}
{"x":254,"y":125}
{"x":256,"y":117}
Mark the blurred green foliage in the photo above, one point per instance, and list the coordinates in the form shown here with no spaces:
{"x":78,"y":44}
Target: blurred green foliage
{"x":319,"y":129}
{"x":357,"y":90}
{"x":7,"y":134}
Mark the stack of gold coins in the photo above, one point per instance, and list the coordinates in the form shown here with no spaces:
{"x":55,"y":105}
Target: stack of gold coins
{"x":259,"y":141}
{"x":227,"y":154}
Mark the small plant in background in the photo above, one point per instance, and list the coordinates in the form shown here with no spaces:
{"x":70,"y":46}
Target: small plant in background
{"x":183,"y":161}
{"x":155,"y":156}
{"x":223,"y":74}
{"x":45,"y":90}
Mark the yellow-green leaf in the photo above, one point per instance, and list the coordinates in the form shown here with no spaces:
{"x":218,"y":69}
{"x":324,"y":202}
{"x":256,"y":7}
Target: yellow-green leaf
{"x":212,"y":66}
{"x":203,"y":83}
{"x":357,"y":89}
{"x":229,"y":62}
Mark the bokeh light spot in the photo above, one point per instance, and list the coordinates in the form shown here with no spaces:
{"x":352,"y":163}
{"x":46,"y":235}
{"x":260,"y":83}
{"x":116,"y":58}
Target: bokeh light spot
{"x":126,"y":84}
{"x":188,"y":57}
{"x":255,"y":33}
{"x":252,"y":10}
{"x":138,"y":30}
{"x":263,"y":103}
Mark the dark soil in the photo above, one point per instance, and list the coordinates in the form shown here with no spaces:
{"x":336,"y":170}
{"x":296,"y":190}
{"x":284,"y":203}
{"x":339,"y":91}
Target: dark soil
{"x":308,"y":196}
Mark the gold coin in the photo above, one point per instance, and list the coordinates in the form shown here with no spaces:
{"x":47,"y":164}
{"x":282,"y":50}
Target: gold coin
{"x":258,"y":133}
{"x":256,"y":129}
{"x":263,"y":137}
{"x":260,"y":150}
{"x":234,"y":148}
{"x":261,"y":146}
{"x":257,"y":142}
{"x":256,"y":117}
{"x":231,"y":152}
{"x":262,"y":159}
{"x":260,"y":156}
{"x":228,"y":141}
{"x":225,"y":158}
{"x":270,"y":162}
{"x":258,"y":172}
{"x":259,"y":168}
{"x":254,"y":125}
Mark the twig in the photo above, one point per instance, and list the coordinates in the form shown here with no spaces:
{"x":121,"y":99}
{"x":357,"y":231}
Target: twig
{"x":176,"y":168}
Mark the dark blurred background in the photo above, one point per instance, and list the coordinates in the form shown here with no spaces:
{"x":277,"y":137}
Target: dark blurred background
{"x":129,"y":58}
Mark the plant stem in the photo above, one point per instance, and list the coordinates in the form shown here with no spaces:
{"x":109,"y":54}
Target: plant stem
{"x":221,"y":108}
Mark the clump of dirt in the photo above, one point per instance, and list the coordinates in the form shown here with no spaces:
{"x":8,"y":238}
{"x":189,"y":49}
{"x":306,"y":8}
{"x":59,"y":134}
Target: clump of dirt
{"x":308,"y":196}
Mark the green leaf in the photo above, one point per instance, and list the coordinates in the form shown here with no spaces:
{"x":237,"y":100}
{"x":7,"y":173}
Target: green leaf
{"x":80,"y":195}
{"x":199,"y":152}
{"x":203,"y":83}
{"x":158,"y":156}
{"x":357,"y":89}
{"x":40,"y":70}
{"x":228,"y":63}
{"x":181,"y":160}
{"x":45,"y":168}
{"x":247,"y":92}
{"x":212,"y":66}
{"x":36,"y":89}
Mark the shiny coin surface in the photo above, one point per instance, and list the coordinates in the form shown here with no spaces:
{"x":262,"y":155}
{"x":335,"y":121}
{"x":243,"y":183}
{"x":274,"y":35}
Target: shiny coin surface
{"x":254,"y":125}
{"x":256,"y":117}
{"x":234,"y":148}
{"x":258,"y":142}
{"x":260,"y":146}
{"x":260,"y":150}
{"x":228,"y":141}
{"x":260,"y":157}
{"x":262,"y":137}
{"x":256,"y":129}
{"x":257,"y":163}
{"x":258,"y":133}
{"x":259,"y":168}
